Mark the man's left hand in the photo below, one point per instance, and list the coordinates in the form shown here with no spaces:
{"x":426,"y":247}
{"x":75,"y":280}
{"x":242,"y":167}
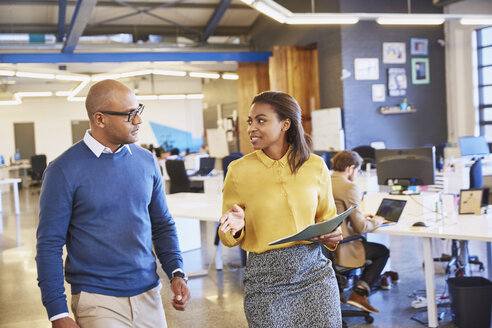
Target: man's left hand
{"x":181,"y":293}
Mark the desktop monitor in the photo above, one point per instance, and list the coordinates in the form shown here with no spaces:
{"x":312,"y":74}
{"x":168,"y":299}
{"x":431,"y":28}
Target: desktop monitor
{"x":17,"y":157}
{"x":473,"y":146}
{"x":406,"y":167}
{"x":2,"y":160}
{"x":192,"y":161}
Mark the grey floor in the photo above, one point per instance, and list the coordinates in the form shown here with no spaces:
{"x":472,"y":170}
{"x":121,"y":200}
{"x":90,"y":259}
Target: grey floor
{"x":216,"y":298}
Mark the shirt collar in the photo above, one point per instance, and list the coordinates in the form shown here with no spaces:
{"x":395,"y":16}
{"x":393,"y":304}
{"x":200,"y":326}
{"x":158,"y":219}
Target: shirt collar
{"x":268,"y":162}
{"x":97,"y":148}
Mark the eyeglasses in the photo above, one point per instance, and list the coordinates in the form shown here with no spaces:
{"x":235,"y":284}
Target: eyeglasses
{"x":131,"y":115}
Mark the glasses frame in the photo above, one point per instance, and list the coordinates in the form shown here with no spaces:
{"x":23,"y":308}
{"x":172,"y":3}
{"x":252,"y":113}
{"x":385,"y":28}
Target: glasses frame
{"x":133,"y":113}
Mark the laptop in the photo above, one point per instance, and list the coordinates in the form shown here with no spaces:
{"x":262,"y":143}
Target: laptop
{"x":207,"y":164}
{"x":391,"y":209}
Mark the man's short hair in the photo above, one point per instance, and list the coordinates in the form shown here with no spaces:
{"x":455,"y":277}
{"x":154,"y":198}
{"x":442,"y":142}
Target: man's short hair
{"x":346,"y":158}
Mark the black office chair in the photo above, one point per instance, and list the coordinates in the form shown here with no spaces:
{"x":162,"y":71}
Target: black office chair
{"x":180,"y":182}
{"x":476,"y":182}
{"x":368,"y":155}
{"x":325,"y":155}
{"x":343,"y":274}
{"x":38,"y":165}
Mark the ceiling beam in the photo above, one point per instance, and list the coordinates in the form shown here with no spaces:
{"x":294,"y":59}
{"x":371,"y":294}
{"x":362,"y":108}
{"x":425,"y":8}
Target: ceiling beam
{"x":62,"y":13}
{"x":116,"y":29}
{"x":80,"y":18}
{"x":214,"y":20}
{"x":118,"y":57}
{"x":107,"y":3}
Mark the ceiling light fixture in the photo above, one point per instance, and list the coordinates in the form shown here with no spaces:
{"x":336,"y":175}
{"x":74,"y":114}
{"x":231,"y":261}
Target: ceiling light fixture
{"x":169,"y":73}
{"x":194,"y":96}
{"x":36,"y":75}
{"x":136,"y":73}
{"x":34,"y":94}
{"x":64,"y":77}
{"x":76,"y":99}
{"x":410,"y":19}
{"x":7,"y":73}
{"x":171,"y":97}
{"x":63,"y":93}
{"x":230,"y":76}
{"x":322,"y":19}
{"x":476,"y":21}
{"x":205,"y":75}
{"x":147,"y":97}
{"x":10,"y":102}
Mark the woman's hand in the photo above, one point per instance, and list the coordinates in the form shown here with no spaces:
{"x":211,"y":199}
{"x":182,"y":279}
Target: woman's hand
{"x":233,"y":220}
{"x":330,"y":240}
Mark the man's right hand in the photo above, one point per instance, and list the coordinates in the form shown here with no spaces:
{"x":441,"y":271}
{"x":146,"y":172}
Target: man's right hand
{"x":66,"y":322}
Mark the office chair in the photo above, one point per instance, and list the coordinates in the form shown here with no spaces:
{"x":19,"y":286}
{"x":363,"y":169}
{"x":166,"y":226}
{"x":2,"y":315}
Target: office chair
{"x":180,"y":182}
{"x":343,"y":274}
{"x":326,"y":156}
{"x":368,"y":155}
{"x":38,"y":165}
{"x":476,"y":182}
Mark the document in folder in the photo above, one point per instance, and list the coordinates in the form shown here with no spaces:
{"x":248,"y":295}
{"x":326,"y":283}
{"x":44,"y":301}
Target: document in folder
{"x":317,"y":229}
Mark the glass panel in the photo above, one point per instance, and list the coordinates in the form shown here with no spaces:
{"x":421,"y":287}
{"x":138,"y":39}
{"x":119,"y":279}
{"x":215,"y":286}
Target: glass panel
{"x":487,"y":95}
{"x":487,"y":114}
{"x":486,"y":56}
{"x":486,"y":75}
{"x":488,"y":133}
{"x":486,"y":35}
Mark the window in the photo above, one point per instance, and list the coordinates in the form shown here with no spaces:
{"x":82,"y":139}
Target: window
{"x":484,"y":61}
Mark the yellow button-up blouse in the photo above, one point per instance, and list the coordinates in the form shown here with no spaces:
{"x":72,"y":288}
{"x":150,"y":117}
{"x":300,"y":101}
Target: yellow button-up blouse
{"x":276,"y":202}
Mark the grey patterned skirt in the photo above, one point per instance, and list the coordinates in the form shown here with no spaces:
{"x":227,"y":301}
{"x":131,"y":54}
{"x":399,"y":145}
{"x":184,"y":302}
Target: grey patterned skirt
{"x":291,"y":287}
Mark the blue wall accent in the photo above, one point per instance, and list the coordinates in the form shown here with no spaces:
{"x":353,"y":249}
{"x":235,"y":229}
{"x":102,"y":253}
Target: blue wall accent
{"x":252,"y":57}
{"x":175,"y":138}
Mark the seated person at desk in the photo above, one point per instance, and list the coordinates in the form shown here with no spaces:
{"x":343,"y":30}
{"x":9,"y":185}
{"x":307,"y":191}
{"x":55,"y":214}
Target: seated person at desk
{"x":346,"y":165}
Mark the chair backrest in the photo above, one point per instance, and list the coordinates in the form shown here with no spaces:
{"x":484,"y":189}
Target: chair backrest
{"x":178,"y":177}
{"x":38,"y":165}
{"x":368,"y":155}
{"x":476,"y":175}
{"x":228,"y":159}
{"x":325,"y":155}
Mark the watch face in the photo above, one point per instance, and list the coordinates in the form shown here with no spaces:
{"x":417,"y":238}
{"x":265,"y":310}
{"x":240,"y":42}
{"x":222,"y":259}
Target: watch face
{"x":181,"y":275}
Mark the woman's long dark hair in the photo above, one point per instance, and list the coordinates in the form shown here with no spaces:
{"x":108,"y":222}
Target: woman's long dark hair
{"x":287,"y":107}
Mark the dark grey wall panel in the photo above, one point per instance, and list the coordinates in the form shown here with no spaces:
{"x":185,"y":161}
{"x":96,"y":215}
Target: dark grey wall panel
{"x":362,"y":122}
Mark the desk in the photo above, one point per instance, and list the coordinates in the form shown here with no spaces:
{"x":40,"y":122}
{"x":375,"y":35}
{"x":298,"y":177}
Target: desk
{"x":203,"y":207}
{"x":467,"y":227}
{"x":15,"y":184}
{"x":212,"y":184}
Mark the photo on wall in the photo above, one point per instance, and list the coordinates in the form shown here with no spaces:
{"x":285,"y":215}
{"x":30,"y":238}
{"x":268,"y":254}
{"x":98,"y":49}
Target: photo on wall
{"x":419,"y":47}
{"x":394,"y":53}
{"x":397,"y":82}
{"x":420,"y":71}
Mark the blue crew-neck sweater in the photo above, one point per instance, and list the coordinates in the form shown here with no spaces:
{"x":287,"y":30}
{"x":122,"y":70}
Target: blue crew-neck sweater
{"x":109,"y":211}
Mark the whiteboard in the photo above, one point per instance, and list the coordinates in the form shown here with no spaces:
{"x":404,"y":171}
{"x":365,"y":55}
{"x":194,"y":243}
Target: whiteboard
{"x":217,"y":143}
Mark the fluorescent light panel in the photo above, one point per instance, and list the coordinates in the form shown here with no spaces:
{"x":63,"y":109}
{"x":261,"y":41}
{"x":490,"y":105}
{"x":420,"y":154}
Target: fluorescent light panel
{"x":230,"y":76}
{"x":7,"y":73}
{"x":64,"y":77}
{"x":410,"y":20}
{"x":319,"y":19}
{"x":270,"y":11}
{"x":205,"y":75}
{"x":36,"y":75}
{"x":476,"y":21}
{"x":136,"y":73}
{"x":169,"y":73}
{"x":34,"y":94}
{"x":10,"y":102}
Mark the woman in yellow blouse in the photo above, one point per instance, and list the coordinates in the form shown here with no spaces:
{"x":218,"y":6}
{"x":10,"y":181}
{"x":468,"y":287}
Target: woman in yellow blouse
{"x":272,"y":193}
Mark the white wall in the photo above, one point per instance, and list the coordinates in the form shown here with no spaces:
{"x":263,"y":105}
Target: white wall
{"x":52,"y":122}
{"x":460,"y":70}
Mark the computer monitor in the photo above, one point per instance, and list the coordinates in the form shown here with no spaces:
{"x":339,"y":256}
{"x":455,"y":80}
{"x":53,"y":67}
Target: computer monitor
{"x":473,"y":146}
{"x":17,"y":157}
{"x":406,"y":167}
{"x":192,"y":161}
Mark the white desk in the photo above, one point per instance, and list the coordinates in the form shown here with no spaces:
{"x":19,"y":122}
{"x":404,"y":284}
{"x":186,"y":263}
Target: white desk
{"x":467,"y":227}
{"x":212,"y":184}
{"x":15,"y":184}
{"x":203,"y":207}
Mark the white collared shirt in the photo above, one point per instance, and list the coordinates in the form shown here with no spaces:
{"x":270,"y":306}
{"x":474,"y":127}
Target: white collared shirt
{"x":97,"y":148}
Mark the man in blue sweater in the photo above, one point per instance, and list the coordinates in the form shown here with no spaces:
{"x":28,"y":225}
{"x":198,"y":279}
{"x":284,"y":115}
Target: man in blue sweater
{"x":103,"y":198}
